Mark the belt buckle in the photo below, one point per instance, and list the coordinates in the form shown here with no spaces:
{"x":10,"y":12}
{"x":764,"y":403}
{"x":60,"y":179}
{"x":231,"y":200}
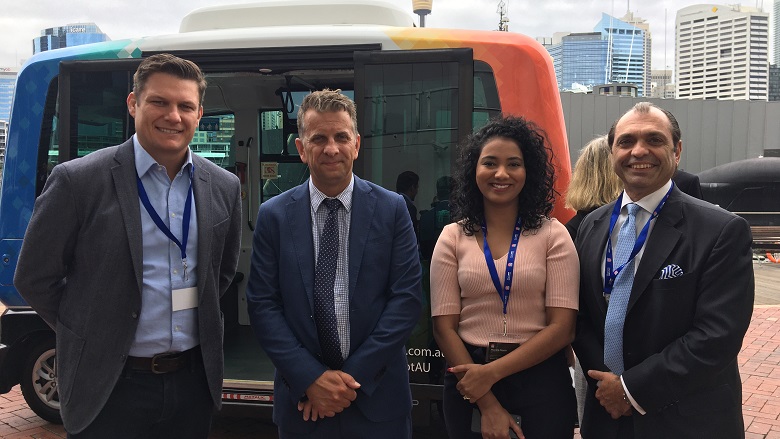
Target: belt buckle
{"x":155,"y":365}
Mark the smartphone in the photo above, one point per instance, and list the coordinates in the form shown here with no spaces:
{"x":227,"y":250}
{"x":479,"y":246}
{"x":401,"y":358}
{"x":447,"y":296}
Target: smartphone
{"x":476,"y":423}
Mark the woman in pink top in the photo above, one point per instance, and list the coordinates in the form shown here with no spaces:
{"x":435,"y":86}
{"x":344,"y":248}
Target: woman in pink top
{"x":504,"y":291}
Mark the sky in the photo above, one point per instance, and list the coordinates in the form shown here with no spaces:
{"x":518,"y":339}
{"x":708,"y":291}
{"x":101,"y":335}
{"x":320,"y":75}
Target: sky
{"x":23,"y":20}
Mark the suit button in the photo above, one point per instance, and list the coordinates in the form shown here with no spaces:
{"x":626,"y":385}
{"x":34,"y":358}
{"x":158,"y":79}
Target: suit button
{"x":134,"y":315}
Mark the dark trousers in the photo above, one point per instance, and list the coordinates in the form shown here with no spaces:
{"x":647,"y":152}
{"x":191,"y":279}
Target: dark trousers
{"x":352,"y":424}
{"x":144,"y":405}
{"x":542,"y":395}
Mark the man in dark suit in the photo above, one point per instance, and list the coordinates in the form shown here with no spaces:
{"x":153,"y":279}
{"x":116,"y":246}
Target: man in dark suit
{"x":334,"y":316}
{"x":666,"y":366}
{"x":688,"y":183}
{"x":126,"y":256}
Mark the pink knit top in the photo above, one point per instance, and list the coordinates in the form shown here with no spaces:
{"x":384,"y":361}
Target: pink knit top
{"x":546,"y":274}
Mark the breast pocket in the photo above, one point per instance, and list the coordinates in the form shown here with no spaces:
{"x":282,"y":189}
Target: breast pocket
{"x":683,"y":282}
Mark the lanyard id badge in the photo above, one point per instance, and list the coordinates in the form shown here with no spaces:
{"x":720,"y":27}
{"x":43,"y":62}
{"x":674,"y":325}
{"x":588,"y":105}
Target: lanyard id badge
{"x":500,"y":344}
{"x":161,"y":225}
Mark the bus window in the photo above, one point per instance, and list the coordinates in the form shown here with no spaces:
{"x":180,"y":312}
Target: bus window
{"x":280,"y":163}
{"x":215,"y":140}
{"x":486,"y":102}
{"x":48,"y":143}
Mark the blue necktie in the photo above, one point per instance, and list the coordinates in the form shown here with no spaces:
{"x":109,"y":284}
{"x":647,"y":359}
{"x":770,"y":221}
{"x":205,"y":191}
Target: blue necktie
{"x":618,"y":300}
{"x":324,"y":279}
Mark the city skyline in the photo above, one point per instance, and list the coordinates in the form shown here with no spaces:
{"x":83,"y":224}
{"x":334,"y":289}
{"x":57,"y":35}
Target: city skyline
{"x":119,"y":19}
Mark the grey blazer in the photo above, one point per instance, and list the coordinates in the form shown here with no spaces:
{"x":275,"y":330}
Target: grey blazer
{"x":80,"y":268}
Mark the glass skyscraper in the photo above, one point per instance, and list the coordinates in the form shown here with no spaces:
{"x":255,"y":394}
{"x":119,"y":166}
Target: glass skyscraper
{"x":580,"y":61}
{"x":7,"y":82}
{"x":627,"y":51}
{"x":69,"y":35}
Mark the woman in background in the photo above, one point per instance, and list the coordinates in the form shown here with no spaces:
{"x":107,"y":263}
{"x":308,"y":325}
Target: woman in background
{"x":504,"y":291}
{"x":593,"y":184}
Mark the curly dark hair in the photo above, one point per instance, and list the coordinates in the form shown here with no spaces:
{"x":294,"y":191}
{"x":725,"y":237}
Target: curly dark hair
{"x":538,"y":194}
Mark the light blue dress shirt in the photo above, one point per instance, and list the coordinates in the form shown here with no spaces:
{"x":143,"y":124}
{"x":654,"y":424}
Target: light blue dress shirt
{"x":160,"y":329}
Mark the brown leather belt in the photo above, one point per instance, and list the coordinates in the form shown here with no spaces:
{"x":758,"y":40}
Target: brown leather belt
{"x":163,"y":363}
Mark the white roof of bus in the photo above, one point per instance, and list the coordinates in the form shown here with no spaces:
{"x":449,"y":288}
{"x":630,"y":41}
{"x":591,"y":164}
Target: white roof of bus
{"x":296,"y":13}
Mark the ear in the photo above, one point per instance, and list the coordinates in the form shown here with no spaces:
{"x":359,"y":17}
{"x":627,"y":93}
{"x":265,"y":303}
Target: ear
{"x":357,"y":147}
{"x":301,"y":149}
{"x":131,"y":102}
{"x":678,"y":152}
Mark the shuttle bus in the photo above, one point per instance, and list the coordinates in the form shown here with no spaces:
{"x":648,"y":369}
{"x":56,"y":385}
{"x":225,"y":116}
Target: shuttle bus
{"x":419,"y":92}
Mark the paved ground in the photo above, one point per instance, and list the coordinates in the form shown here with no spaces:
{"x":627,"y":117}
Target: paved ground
{"x":759,"y":363}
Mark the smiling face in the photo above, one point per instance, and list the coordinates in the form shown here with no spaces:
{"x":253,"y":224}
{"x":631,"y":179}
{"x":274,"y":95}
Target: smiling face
{"x":500,"y":172}
{"x":644,"y":155}
{"x":329,"y":146}
{"x":166,"y":114}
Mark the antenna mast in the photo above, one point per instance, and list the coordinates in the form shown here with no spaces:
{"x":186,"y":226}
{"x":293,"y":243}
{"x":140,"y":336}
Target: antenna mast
{"x":503,"y":20}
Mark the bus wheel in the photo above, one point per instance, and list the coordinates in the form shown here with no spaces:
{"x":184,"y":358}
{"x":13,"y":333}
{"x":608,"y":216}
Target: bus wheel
{"x":39,"y":384}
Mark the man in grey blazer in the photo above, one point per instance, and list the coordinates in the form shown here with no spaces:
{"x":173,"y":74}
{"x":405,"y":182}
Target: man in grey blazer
{"x":660,"y":344}
{"x":341,"y":368}
{"x":126,"y":256}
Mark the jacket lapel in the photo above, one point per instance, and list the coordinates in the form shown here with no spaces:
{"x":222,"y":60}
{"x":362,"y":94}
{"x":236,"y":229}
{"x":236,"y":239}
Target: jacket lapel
{"x":124,"y":175}
{"x":363,"y":209}
{"x":298,"y":216}
{"x":201,"y":190}
{"x":660,"y":244}
{"x":598,"y":236}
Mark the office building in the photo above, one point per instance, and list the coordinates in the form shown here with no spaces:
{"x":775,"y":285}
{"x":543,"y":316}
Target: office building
{"x":647,"y":47}
{"x":3,"y":135}
{"x":774,"y":82}
{"x":721,"y":52}
{"x":776,"y":28}
{"x":69,"y":35}
{"x":661,"y":84}
{"x":7,"y":83}
{"x":629,"y":50}
{"x":580,"y":61}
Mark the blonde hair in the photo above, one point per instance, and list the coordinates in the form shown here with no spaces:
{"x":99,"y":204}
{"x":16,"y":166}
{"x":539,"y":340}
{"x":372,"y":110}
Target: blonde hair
{"x":593,"y":182}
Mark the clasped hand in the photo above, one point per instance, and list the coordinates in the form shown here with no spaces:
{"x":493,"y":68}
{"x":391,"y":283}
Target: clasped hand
{"x":475,"y":382}
{"x":610,"y":394}
{"x":329,"y":394}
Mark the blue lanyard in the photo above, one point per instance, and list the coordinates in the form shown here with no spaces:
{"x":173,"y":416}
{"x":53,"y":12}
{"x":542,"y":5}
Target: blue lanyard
{"x":611,"y":274}
{"x":161,"y":225}
{"x":510,"y":263}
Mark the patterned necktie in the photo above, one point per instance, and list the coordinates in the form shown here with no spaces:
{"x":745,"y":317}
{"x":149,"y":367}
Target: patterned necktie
{"x":324,"y":279}
{"x":621,"y":291}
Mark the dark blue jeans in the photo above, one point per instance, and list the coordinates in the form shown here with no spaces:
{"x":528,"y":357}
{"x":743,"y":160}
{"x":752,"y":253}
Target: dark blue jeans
{"x":144,"y":405}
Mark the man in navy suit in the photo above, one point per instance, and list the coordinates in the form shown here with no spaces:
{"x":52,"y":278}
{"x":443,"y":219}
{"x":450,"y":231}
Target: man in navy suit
{"x":340,"y":368}
{"x":674,"y":374}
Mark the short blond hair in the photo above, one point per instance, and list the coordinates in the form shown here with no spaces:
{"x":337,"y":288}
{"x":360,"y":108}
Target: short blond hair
{"x":325,"y":101}
{"x":593,"y":182}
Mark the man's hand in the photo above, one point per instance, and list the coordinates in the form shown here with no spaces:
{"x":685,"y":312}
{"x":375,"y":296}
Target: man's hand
{"x":610,"y":394}
{"x":475,"y":382}
{"x":329,"y":394}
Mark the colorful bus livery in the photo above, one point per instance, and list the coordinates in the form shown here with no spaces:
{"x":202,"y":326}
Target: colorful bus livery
{"x":419,"y":92}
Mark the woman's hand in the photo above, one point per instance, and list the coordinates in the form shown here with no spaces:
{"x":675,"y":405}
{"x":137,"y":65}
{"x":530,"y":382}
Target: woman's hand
{"x":476,"y":380}
{"x":496,"y":423}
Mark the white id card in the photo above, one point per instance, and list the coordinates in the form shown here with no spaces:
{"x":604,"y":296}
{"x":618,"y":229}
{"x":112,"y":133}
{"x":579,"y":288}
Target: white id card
{"x":185,"y":298}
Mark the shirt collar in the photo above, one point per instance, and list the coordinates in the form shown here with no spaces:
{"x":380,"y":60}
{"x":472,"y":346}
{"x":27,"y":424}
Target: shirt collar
{"x":144,"y":162}
{"x":317,"y":197}
{"x":650,"y":202}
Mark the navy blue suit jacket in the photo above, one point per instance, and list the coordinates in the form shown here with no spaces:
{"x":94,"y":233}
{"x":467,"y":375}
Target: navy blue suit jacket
{"x":681,"y":335}
{"x":384,"y":294}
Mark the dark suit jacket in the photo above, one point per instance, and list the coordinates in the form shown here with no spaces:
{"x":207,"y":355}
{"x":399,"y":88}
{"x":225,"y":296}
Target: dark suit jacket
{"x":384,"y":293}
{"x":81,"y":270}
{"x":688,"y":183}
{"x":681,"y":335}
